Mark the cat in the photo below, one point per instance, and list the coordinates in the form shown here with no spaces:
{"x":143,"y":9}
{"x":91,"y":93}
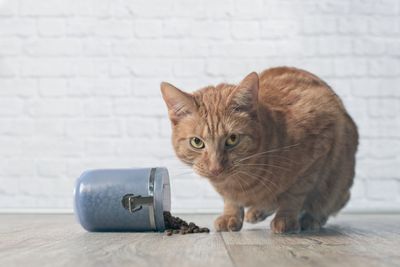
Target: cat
{"x":279,"y":142}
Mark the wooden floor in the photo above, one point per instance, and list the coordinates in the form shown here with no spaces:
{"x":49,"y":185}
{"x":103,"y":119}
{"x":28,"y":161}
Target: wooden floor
{"x":57,"y":240}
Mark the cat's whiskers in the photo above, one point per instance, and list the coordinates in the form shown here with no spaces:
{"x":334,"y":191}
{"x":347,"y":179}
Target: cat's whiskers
{"x":262,"y":179}
{"x":264,"y":185}
{"x":244,"y":192}
{"x":267,"y":152}
{"x":268,"y":165}
{"x":185,"y":173}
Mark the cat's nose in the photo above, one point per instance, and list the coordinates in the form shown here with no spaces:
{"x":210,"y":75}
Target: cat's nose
{"x":216,"y":171}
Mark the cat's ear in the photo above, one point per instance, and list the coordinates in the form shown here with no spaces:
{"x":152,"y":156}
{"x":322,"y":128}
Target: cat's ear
{"x":179,"y":103}
{"x":245,"y":95}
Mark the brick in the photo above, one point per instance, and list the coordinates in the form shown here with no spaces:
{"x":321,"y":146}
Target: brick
{"x":146,"y":87}
{"x":189,"y":67}
{"x":383,"y":7}
{"x":153,"y":9}
{"x":358,"y":190}
{"x":9,"y":8}
{"x":253,"y":10}
{"x":54,"y":108}
{"x":382,"y":148}
{"x":45,"y":67}
{"x":222,"y":9}
{"x":165,"y":127}
{"x":143,"y":147}
{"x":375,"y":87}
{"x":382,"y":67}
{"x":148,"y":48}
{"x":21,"y":27}
{"x":382,"y":189}
{"x":51,"y":27}
{"x":319,"y":25}
{"x":140,"y":106}
{"x":119,"y":68}
{"x":188,"y":9}
{"x":113,"y":28}
{"x":82,"y":87}
{"x":11,"y":107}
{"x":383,"y":107}
{"x":142,"y":127}
{"x":9,"y":186}
{"x":238,"y":67}
{"x":102,"y":9}
{"x":48,"y":127}
{"x":273,"y":28}
{"x":347,"y":66}
{"x":80,"y":27}
{"x":384,"y":26}
{"x":148,"y":28}
{"x":194,"y":48}
{"x":75,"y":167}
{"x":99,"y":148}
{"x":111,"y":87}
{"x":10,"y":147}
{"x":342,"y":87}
{"x":393,"y":48}
{"x":10,"y":46}
{"x":96,"y":47}
{"x":93,"y":127}
{"x":382,"y":169}
{"x":16,"y":127}
{"x":50,"y":168}
{"x":210,"y":29}
{"x":53,"y":87}
{"x":333,"y":7}
{"x":148,"y":67}
{"x":24,"y":88}
{"x":176,"y":28}
{"x":353,"y":25}
{"x":243,"y":49}
{"x":119,"y":9}
{"x":46,"y":146}
{"x":246,"y":30}
{"x":334,"y":45}
{"x":320,"y":66}
{"x":99,"y":107}
{"x":368,"y":46}
{"x":379,"y":128}
{"x":9,"y":67}
{"x":44,"y":8}
{"x":186,"y":188}
{"x":53,"y":47}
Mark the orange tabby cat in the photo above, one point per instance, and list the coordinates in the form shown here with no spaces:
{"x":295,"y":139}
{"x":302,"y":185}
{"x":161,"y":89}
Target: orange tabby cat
{"x":279,"y":142}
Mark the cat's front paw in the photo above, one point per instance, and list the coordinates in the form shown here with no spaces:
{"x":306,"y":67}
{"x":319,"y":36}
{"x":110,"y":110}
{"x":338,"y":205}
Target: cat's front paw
{"x":254,"y":215}
{"x":226,"y":223}
{"x":285,"y":225}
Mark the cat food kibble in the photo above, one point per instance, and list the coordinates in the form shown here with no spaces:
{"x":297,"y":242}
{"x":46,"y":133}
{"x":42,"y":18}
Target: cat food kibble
{"x":175,"y":225}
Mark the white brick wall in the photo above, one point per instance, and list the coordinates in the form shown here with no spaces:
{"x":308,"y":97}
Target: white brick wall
{"x":79,"y":85}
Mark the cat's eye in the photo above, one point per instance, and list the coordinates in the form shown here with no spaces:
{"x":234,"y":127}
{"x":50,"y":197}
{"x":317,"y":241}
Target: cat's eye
{"x":197,"y":143}
{"x":232,"y":140}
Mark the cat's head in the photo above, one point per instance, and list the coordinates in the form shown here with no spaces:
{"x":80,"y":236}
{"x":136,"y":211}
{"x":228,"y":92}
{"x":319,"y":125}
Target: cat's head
{"x":215,"y":127}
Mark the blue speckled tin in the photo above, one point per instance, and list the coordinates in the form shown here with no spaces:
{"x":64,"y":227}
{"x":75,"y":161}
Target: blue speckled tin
{"x":122,"y":199}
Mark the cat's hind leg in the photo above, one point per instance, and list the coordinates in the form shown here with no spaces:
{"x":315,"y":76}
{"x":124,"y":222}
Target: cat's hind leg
{"x":255,"y":215}
{"x":318,"y":211}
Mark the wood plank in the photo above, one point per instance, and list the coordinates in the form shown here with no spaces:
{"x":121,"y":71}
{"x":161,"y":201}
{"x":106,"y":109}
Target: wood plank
{"x":350,"y":240}
{"x":58,"y":241}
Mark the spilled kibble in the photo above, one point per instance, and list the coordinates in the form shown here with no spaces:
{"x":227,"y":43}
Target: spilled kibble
{"x":175,"y":225}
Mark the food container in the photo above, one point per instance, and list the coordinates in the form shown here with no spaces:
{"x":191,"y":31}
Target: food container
{"x":122,"y":199}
